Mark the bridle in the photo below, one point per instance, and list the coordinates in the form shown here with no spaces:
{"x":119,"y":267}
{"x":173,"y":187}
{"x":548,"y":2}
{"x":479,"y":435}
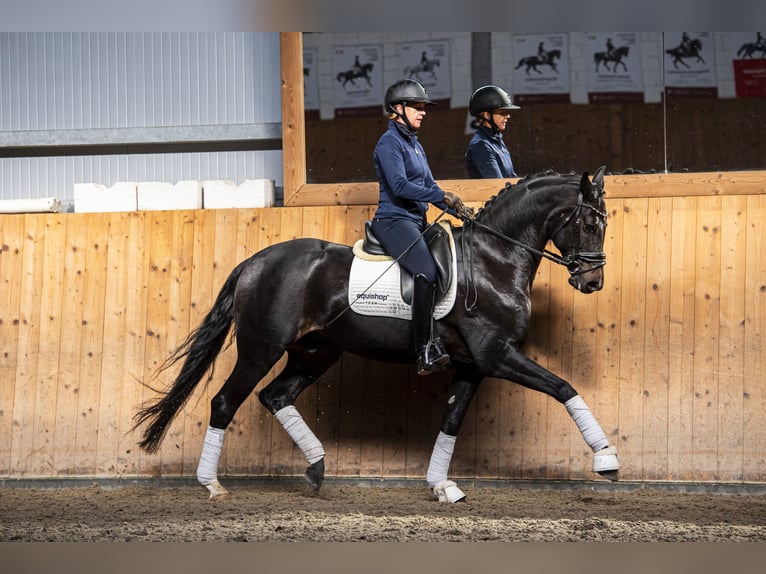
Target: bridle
{"x":573,"y":261}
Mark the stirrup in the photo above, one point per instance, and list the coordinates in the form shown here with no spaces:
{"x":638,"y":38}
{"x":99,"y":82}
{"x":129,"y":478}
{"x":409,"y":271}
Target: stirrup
{"x":433,"y":358}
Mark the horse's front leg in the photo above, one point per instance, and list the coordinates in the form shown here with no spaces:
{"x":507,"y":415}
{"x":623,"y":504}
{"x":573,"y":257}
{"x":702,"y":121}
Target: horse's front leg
{"x":508,"y":362}
{"x":467,"y":379}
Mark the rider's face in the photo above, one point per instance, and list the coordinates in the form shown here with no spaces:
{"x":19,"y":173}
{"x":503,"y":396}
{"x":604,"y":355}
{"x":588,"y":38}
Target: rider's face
{"x":415,"y":113}
{"x":500,"y":117}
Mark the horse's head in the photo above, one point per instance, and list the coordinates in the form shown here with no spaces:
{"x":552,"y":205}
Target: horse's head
{"x":579,"y":234}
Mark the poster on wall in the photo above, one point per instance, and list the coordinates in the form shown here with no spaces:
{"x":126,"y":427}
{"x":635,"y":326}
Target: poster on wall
{"x":749,"y":61}
{"x":541,"y":73}
{"x":613,"y":67}
{"x":310,"y":83}
{"x":428,"y":63}
{"x":689,"y":63}
{"x":358,"y":77}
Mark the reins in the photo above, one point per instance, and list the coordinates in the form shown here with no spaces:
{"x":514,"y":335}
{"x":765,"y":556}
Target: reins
{"x":597,"y":258}
{"x":572,"y":261}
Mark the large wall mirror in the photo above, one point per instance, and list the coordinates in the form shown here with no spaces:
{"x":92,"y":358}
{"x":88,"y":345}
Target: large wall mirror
{"x":674,"y":103}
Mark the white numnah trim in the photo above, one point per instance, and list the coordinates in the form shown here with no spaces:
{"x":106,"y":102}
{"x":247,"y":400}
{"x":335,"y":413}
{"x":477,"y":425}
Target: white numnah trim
{"x":375,"y":288}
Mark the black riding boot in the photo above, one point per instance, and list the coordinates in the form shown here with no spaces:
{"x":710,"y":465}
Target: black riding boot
{"x":432,"y":356}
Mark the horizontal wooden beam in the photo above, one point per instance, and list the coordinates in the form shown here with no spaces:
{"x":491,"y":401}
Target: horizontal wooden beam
{"x":617,"y":186}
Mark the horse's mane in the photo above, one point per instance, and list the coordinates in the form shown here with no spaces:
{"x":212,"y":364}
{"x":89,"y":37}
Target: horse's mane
{"x":527,"y":184}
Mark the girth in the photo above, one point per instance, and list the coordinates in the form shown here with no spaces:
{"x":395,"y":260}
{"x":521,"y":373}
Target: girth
{"x":438,"y":241}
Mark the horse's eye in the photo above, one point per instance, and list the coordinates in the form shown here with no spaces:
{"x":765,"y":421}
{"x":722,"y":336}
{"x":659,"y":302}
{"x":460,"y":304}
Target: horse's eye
{"x":590,"y":228}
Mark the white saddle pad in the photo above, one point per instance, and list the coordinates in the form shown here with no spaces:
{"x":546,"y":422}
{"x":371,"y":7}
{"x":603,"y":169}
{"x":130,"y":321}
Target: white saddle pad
{"x":375,"y":287}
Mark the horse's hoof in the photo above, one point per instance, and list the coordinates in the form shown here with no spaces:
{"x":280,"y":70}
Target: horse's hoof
{"x":606,"y":463}
{"x":216,"y":490}
{"x":447,"y":491}
{"x":315,"y":475}
{"x":612,"y":475}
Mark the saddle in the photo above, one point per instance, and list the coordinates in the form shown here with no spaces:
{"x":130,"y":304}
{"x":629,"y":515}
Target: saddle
{"x":438,"y":240}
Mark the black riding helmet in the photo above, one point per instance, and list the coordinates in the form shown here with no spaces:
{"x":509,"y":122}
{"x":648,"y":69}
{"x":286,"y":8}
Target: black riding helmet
{"x":403,"y":92}
{"x":489,"y":98}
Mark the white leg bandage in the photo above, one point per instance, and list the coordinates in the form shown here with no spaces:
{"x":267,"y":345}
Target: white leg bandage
{"x":207,"y":469}
{"x":588,"y":426}
{"x":301,"y":434}
{"x":440,"y":459}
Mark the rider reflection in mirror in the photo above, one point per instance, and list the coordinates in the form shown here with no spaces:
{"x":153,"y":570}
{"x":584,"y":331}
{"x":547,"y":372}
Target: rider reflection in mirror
{"x":487,"y":155}
{"x":686,"y":42}
{"x":406,"y":189}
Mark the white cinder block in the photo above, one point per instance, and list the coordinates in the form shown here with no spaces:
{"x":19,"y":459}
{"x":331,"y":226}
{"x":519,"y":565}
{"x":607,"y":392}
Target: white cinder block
{"x":219,"y":194}
{"x":162,"y":196}
{"x":94,"y":197}
{"x":34,"y":205}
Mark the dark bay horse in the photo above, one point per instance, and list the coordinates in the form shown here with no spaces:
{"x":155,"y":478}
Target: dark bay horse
{"x":293,"y":296}
{"x":616,"y":57}
{"x":679,"y":53}
{"x":532,"y":62}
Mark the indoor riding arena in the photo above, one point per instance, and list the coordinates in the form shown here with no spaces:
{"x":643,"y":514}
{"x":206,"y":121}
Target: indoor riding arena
{"x":669,"y":355}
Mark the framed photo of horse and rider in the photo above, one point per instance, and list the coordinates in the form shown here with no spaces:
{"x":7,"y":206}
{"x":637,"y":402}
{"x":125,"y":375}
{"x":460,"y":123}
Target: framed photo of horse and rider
{"x":612,"y":62}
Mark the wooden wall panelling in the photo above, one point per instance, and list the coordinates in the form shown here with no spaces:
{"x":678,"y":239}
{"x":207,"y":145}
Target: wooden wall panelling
{"x":133,"y":377}
{"x":732,"y":337}
{"x":159,"y":227}
{"x":754,"y":393}
{"x":682,"y":332}
{"x":656,"y":339}
{"x":28,"y":342}
{"x":65,"y":459}
{"x":707,"y":339}
{"x":604,"y":396}
{"x":560,"y":332}
{"x":10,"y":297}
{"x":41,"y":455}
{"x":195,"y":414}
{"x":112,"y":421}
{"x":93,"y":307}
{"x":632,"y":329}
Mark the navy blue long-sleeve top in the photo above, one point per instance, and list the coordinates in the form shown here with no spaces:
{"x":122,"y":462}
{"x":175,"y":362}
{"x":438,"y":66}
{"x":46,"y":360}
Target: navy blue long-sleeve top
{"x":487,"y":155}
{"x":406,"y":183}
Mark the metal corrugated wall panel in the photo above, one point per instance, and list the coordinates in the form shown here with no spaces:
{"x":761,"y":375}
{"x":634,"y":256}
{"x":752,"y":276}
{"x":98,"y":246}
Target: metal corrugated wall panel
{"x":65,"y":80}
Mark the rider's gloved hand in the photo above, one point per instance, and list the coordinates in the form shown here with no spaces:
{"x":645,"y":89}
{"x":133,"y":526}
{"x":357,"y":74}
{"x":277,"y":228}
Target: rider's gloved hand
{"x":454,"y":202}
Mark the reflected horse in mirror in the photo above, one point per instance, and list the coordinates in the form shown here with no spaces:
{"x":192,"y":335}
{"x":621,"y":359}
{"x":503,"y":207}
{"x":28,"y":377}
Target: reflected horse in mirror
{"x":747,"y":50}
{"x":351,"y":75}
{"x":680,"y":53}
{"x":293,"y":297}
{"x":417,"y":69}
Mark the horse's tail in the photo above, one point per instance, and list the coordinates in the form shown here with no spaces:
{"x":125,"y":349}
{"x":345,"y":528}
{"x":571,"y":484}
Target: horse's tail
{"x":199,"y":350}
{"x":742,"y":49}
{"x":520,"y":64}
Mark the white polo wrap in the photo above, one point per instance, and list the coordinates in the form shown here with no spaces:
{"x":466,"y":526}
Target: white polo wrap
{"x":583,"y":418}
{"x":296,"y":427}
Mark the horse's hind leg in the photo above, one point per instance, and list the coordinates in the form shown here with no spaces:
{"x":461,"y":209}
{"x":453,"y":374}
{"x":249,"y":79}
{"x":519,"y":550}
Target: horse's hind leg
{"x":223,"y":406}
{"x":464,"y":387}
{"x":241,"y":382}
{"x":304,"y":366}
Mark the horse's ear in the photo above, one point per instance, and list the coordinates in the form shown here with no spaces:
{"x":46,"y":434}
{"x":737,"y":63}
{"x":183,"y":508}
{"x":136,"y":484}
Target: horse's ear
{"x":598,"y":177}
{"x":589,"y":189}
